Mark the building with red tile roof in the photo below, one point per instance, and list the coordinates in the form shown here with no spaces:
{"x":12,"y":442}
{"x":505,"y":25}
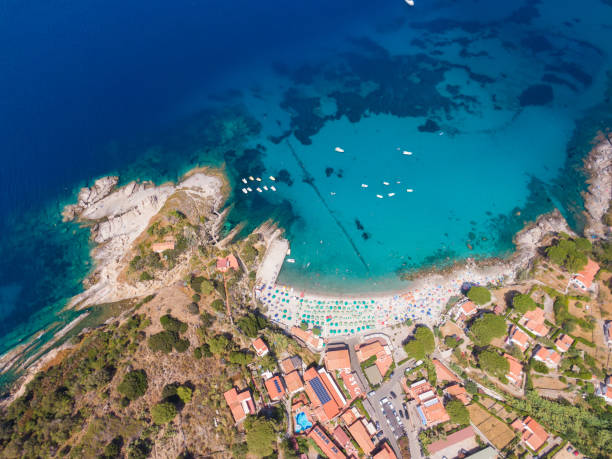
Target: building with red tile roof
{"x":307,"y":337}
{"x":550,"y":357}
{"x":378,"y":348}
{"x":443,"y":373}
{"x":454,"y":442}
{"x":329,"y":448}
{"x":534,"y":322}
{"x":518,"y":337}
{"x":325,"y":396}
{"x":341,"y":437}
{"x":291,"y":363}
{"x":359,"y":432}
{"x":227,"y":263}
{"x":159,"y":247}
{"x":564,"y":342}
{"x":465,"y":311}
{"x":385,"y":452}
{"x":337,"y":359}
{"x":604,"y":390}
{"x":533,"y":434}
{"x":515,"y":371}
{"x":260,"y":347}
{"x":351,"y":382}
{"x":429,"y":406}
{"x":459,"y":392}
{"x":240,"y":403}
{"x":293,"y":382}
{"x":275,"y":388}
{"x":584,"y":279}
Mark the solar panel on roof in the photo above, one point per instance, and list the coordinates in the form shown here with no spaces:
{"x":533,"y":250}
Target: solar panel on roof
{"x":277,"y":385}
{"x":318,"y":388}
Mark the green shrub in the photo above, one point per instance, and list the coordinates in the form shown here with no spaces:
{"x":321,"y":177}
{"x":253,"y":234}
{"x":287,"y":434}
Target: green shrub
{"x":202,"y":285}
{"x":493,"y":363}
{"x":197,"y":353}
{"x":458,"y":412}
{"x":145,"y":276}
{"x":196,"y":297}
{"x":251,"y":324}
{"x":134,"y":384}
{"x":163,"y":341}
{"x":218,"y":305}
{"x":172,"y":324}
{"x":421,"y":345}
{"x":488,"y":327}
{"x":523,"y":303}
{"x":163,"y":412}
{"x":479,"y":295}
{"x":539,"y":367}
{"x":184,"y":393}
{"x":113,"y":449}
{"x":181,"y":345}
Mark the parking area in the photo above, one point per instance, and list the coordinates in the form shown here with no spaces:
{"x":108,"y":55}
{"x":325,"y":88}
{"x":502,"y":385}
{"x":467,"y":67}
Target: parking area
{"x":392,"y":415}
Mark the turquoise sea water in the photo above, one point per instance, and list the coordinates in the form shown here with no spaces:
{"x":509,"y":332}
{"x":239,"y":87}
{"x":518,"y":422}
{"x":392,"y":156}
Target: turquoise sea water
{"x":497,"y":103}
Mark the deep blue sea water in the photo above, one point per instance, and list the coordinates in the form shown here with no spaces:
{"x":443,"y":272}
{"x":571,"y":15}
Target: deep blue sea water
{"x":496,"y":101}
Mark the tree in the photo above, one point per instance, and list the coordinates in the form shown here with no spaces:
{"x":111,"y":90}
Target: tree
{"x":251,"y":324}
{"x":172,"y":324}
{"x":458,"y":412}
{"x":219,"y":344}
{"x":202,"y":285}
{"x":163,"y":412}
{"x":304,"y":325}
{"x":134,"y":384}
{"x":240,"y":358}
{"x":452,"y":341}
{"x":421,"y":345}
{"x":572,"y":255}
{"x":488,"y":327}
{"x":113,"y":449}
{"x":523,"y":303}
{"x":493,"y":363}
{"x":184,"y":393}
{"x":163,"y":341}
{"x":261,"y":438}
{"x":479,"y":295}
{"x":539,"y":367}
{"x":218,"y":305}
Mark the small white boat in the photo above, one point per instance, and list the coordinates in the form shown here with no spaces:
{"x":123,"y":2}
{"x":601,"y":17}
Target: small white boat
{"x":290,"y":260}
{"x":265,"y":187}
{"x":409,"y":190}
{"x":244,"y":180}
{"x":288,"y":251}
{"x":386,"y":183}
{"x":249,"y":189}
{"x":363,"y":185}
{"x":272,"y":178}
{"x":339,"y":150}
{"x":390,"y":194}
{"x":379,"y":196}
{"x":251,"y":178}
{"x":273,"y":188}
{"x":441,"y":133}
{"x":398,"y":182}
{"x":407,"y":153}
{"x":410,"y":2}
{"x":244,"y":190}
{"x":259,"y":189}
{"x":333,"y":193}
{"x":258,"y":179}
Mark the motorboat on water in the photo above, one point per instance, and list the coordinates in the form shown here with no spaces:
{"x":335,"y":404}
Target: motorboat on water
{"x":244,"y":190}
{"x":265,"y":188}
{"x":390,"y":194}
{"x":290,"y":260}
{"x":410,"y":2}
{"x":339,"y":150}
{"x":273,"y":178}
{"x":409,"y":190}
{"x":364,"y":185}
{"x":273,"y":188}
{"x":407,"y":153}
{"x":259,"y":189}
{"x":244,"y":180}
{"x":249,"y":189}
{"x":386,"y":183}
{"x":251,"y":178}
{"x":379,"y":196}
{"x":258,"y":179}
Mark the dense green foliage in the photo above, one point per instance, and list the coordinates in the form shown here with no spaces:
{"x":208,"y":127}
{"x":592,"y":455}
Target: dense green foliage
{"x":218,"y":305}
{"x":165,"y":341}
{"x":570,"y":254}
{"x":163,"y":412}
{"x":523,"y":303}
{"x":539,"y":367}
{"x":479,"y":295}
{"x":260,"y":437}
{"x":42,"y":420}
{"x":493,"y":363}
{"x":219,"y":344}
{"x":184,"y":393}
{"x":241,"y":358}
{"x":134,"y":384}
{"x":421,"y":345}
{"x":202,"y":285}
{"x":452,"y":341}
{"x":488,"y":327}
{"x":458,"y":412}
{"x":251,"y":324}
{"x":172,"y":324}
{"x":590,"y":432}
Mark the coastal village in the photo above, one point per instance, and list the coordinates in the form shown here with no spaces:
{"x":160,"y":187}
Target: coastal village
{"x":206,"y":355}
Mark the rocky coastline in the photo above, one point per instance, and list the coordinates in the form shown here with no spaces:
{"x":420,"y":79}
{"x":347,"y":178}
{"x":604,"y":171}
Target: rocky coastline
{"x":597,"y":198}
{"x":118,"y":216}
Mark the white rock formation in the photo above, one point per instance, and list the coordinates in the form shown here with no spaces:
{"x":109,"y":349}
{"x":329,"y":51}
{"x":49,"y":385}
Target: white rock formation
{"x":119,"y":217}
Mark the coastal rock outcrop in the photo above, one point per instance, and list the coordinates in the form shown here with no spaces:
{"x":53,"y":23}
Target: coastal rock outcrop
{"x":597,"y":198}
{"x":118,"y":217}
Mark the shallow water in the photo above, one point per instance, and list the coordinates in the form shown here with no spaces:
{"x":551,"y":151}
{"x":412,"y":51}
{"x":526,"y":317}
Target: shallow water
{"x":496,"y":103}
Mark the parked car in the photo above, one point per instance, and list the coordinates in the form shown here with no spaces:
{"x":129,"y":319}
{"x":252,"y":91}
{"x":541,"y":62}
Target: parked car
{"x":392,"y":394}
{"x":371,"y":393}
{"x":401,"y":413}
{"x":384,"y":400}
{"x":406,"y":413}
